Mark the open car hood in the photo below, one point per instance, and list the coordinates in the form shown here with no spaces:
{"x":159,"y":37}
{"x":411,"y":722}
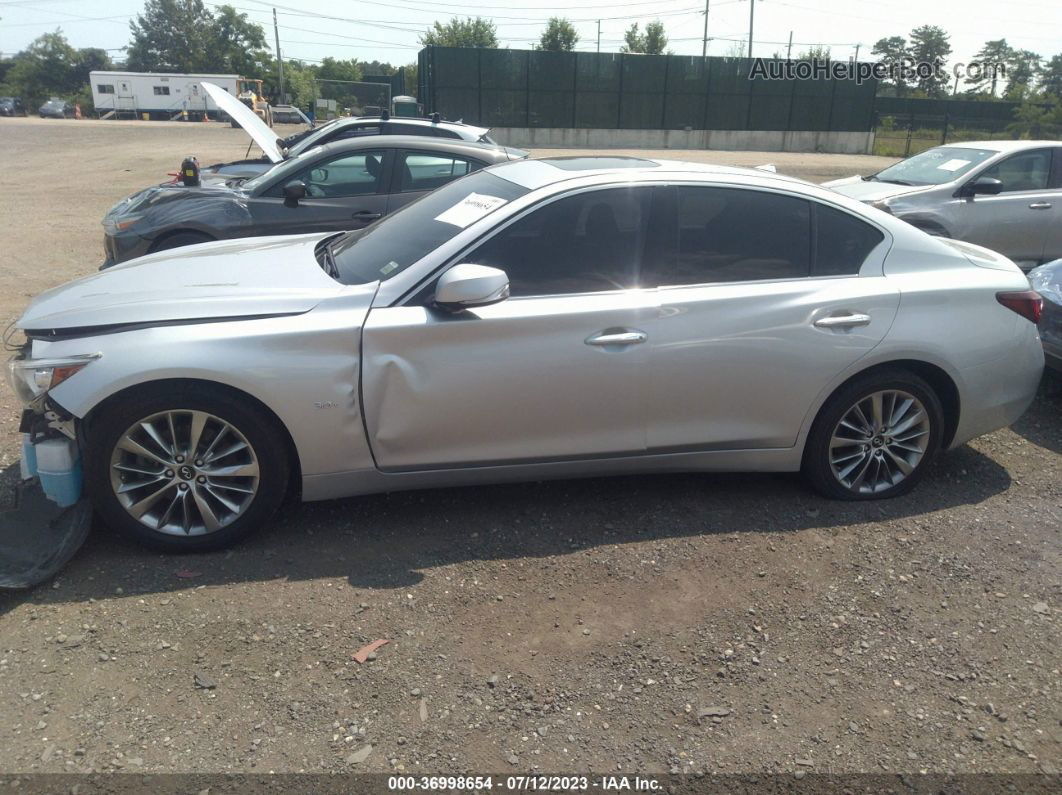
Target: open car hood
{"x":226,"y":279}
{"x":246,"y":118}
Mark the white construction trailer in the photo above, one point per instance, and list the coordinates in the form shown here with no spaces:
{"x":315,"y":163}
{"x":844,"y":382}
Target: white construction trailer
{"x":130,"y":95}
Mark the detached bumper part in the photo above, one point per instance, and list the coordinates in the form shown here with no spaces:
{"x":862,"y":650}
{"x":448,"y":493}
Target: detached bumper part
{"x":49,"y":521}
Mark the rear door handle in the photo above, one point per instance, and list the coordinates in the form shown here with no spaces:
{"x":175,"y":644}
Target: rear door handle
{"x":365,"y":215}
{"x":617,"y":337}
{"x":843,"y":321}
{"x":1040,"y":206}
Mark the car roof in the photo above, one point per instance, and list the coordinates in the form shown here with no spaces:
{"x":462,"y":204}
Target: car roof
{"x":449,"y":145}
{"x":1002,"y":146}
{"x":533,"y":174}
{"x":418,"y":122}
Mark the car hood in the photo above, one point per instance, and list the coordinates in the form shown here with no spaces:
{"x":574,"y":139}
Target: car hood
{"x":225,"y":279}
{"x":246,"y":118}
{"x":870,"y":190}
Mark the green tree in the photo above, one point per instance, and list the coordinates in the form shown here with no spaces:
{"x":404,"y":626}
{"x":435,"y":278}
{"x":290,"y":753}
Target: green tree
{"x":652,"y":42}
{"x":301,"y":84}
{"x":468,"y":32}
{"x":411,"y":79}
{"x":1022,"y":71}
{"x":334,"y":82}
{"x":930,"y":44}
{"x":819,"y":52}
{"x":993,"y":52}
{"x":1051,"y":78}
{"x":559,"y":35}
{"x":171,"y":36}
{"x":237,"y":45}
{"x":893,"y":50}
{"x":1037,"y":120}
{"x":655,"y":38}
{"x":44,"y":69}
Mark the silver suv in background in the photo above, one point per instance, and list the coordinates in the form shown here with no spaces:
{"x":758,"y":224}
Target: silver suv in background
{"x":1003,"y":195}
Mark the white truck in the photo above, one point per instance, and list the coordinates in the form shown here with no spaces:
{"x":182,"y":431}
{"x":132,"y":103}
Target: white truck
{"x":161,"y":96}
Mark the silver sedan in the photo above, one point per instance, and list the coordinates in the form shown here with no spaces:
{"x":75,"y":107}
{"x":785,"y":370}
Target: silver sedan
{"x":1004,"y":195}
{"x":537,"y":319}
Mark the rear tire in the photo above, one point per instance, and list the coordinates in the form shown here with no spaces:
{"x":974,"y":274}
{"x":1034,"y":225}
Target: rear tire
{"x":180,"y":240}
{"x":185,"y":468}
{"x":874,"y":437}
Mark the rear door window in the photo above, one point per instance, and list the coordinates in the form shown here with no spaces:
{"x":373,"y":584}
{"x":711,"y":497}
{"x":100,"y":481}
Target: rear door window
{"x":728,"y":235}
{"x":419,"y":171}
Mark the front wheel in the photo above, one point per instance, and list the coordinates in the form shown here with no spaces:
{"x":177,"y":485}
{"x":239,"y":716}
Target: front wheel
{"x":185,"y":468}
{"x":874,"y":437}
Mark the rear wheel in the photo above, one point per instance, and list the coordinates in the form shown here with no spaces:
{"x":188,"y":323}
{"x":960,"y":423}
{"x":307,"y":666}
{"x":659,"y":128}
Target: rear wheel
{"x":185,"y":469}
{"x":180,"y":240}
{"x":874,"y":437}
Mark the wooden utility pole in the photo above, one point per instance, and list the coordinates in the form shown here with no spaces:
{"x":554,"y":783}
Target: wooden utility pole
{"x":789,"y":49}
{"x":280,"y":59}
{"x":752,"y":13}
{"x":599,"y":35}
{"x":704,"y":44}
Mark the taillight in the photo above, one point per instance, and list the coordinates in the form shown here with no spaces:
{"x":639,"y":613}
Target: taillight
{"x":1026,"y":303}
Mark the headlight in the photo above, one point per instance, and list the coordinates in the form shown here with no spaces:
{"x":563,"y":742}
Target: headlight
{"x":121,"y":223}
{"x":32,"y":378}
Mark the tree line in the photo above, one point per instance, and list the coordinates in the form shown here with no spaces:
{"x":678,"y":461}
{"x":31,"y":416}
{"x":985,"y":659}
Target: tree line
{"x":184,"y":36}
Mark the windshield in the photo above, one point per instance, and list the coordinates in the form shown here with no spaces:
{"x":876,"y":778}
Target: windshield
{"x":486,"y":139}
{"x":391,"y":245}
{"x":935,"y":166}
{"x":291,"y":140}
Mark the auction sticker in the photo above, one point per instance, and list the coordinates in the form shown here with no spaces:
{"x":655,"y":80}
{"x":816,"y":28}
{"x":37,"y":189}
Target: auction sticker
{"x":471,"y":208}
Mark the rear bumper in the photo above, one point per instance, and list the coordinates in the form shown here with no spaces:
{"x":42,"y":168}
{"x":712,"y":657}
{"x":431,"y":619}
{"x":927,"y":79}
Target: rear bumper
{"x":997,"y":393}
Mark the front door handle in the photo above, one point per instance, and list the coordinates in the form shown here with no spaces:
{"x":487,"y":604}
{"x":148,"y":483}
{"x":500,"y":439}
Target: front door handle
{"x":365,"y":215}
{"x":843,"y":321}
{"x":1040,"y":206}
{"x":617,"y":337}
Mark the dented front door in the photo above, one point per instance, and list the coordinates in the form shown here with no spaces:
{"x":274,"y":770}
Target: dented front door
{"x":528,"y":379}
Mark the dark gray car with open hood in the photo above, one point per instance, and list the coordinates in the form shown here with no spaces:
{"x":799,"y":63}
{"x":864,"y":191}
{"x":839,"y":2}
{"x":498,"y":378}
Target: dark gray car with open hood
{"x":337,"y":187}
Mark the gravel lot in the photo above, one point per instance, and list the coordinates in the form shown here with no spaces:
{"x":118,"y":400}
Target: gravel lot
{"x":673,"y":623}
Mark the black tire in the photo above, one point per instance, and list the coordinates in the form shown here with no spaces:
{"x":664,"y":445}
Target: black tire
{"x":179,"y":240}
{"x":817,"y":468}
{"x":257,"y":426}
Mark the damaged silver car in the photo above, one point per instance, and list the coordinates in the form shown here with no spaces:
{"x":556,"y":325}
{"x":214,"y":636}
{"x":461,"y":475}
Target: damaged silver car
{"x":535,"y":319}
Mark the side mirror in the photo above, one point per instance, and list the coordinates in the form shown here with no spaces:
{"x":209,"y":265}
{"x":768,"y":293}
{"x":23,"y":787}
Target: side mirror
{"x":466,"y":286}
{"x":293,"y":191}
{"x":986,"y":186}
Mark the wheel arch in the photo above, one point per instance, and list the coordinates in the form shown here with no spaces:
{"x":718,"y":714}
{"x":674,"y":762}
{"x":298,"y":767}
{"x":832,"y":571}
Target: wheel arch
{"x":184,"y":230}
{"x":227,"y":390}
{"x":941,"y":382}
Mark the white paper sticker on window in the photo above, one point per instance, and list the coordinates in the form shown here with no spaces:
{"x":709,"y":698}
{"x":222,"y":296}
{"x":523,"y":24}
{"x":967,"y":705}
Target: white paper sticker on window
{"x":953,"y":165}
{"x":471,"y":208}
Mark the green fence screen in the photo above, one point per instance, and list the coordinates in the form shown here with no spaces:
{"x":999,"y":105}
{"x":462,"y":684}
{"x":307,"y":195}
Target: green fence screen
{"x":525,"y":88}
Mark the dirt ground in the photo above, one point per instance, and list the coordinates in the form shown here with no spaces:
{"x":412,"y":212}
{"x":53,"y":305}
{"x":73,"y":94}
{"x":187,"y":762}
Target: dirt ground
{"x":684,"y":623}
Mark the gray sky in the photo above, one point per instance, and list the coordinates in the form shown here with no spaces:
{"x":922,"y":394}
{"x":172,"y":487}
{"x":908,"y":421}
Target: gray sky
{"x":387,"y":30}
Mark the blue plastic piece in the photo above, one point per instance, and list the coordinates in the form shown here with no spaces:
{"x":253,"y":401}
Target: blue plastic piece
{"x":29,"y":458}
{"x":62,"y":488}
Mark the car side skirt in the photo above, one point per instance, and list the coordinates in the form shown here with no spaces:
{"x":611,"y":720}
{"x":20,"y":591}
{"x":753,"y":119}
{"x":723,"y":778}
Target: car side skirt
{"x":373,"y":481}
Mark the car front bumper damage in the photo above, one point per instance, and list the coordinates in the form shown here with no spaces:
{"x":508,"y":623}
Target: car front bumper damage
{"x":49,"y":518}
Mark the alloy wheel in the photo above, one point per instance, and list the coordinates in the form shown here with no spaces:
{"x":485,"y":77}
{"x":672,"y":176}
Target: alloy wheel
{"x":184,"y":472}
{"x":879,"y":441}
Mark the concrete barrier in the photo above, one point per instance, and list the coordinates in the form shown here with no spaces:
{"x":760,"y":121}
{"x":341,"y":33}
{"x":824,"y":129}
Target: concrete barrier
{"x":850,"y":143}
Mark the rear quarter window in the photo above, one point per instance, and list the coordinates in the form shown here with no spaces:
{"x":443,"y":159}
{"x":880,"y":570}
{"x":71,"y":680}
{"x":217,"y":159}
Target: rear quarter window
{"x":842,"y":242}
